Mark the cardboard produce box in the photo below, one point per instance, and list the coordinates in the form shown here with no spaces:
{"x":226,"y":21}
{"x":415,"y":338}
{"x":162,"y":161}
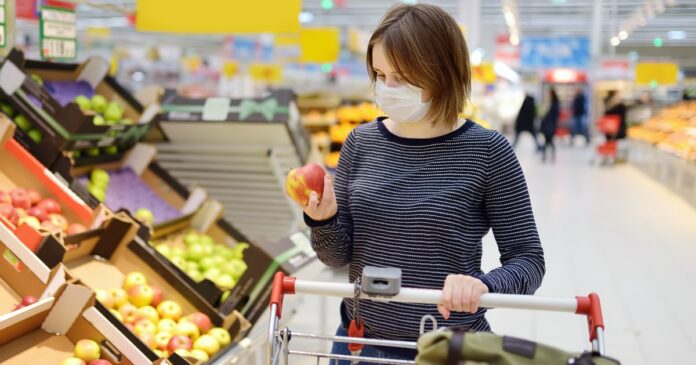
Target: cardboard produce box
{"x":136,"y":181}
{"x":46,"y":332}
{"x":103,"y":263}
{"x":19,"y":169}
{"x":45,"y":91}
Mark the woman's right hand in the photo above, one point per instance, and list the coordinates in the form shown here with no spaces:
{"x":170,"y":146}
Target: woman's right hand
{"x":327,"y":207}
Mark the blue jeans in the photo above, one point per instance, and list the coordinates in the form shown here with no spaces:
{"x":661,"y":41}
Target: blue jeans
{"x":367,"y":351}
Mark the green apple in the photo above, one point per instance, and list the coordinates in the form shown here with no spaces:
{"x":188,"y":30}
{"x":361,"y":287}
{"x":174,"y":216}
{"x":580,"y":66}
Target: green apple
{"x":178,"y":252}
{"x":207,"y":343}
{"x":207,"y":240}
{"x":127,"y":121}
{"x":111,"y":150}
{"x":219,"y":260}
{"x":35,"y":135}
{"x":195,"y":275}
{"x":133,"y":279}
{"x":113,"y":112}
{"x":37,"y":79}
{"x":191,"y":238}
{"x":221,"y":334}
{"x":199,"y":355}
{"x":207,"y":262}
{"x":225,"y":281}
{"x":145,"y":215}
{"x":190,"y":265}
{"x":178,"y":261}
{"x":97,"y":191}
{"x":164,"y":249}
{"x":7,"y":109}
{"x":22,"y":122}
{"x":92,"y":152}
{"x":212,"y":274}
{"x":235,"y":268}
{"x":76,"y":154}
{"x":196,"y":252}
{"x":225,"y":296}
{"x":99,"y":177}
{"x":99,"y":103}
{"x":98,"y":120}
{"x":83,"y":102}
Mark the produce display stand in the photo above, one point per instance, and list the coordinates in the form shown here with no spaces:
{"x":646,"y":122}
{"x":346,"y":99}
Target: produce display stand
{"x":18,"y":168}
{"x":63,"y":125}
{"x":677,"y":174}
{"x":46,"y":331}
{"x":240,"y":151}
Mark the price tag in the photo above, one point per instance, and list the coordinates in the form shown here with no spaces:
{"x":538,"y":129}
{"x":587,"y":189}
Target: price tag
{"x":58,"y":33}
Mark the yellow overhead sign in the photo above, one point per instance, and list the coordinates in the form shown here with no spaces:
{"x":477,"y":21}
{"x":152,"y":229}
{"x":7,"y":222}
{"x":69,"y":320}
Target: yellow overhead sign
{"x":265,"y":72}
{"x":319,"y":45}
{"x":662,"y":73}
{"x":218,"y":16}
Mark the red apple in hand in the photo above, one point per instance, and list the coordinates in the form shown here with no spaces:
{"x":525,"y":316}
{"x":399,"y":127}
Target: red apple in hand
{"x":38,"y":212}
{"x":179,"y":342}
{"x":201,"y":321}
{"x":20,"y":198}
{"x":300,"y":183}
{"x":34,"y":196}
{"x":75,"y":228}
{"x":9,"y":212}
{"x":51,"y":206}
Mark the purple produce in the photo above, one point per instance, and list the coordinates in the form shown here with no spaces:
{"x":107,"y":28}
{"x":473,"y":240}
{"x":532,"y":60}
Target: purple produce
{"x":65,"y":91}
{"x":127,"y":191}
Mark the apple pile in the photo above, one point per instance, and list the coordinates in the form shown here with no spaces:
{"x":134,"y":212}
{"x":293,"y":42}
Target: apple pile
{"x":106,"y":113}
{"x":300,"y":183}
{"x":27,"y":206}
{"x":98,"y":183}
{"x":87,"y":352}
{"x":161,"y":324}
{"x":200,"y":257}
{"x":22,"y":123}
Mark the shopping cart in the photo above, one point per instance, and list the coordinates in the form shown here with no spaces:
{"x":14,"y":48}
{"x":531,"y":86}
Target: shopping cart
{"x":279,"y":340}
{"x":609,"y":126}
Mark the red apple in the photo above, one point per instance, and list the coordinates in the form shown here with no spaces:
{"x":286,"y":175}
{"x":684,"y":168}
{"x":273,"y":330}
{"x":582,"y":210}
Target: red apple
{"x":58,"y":221}
{"x":201,"y":321}
{"x":144,"y":326}
{"x":120,"y":297}
{"x":179,"y":342}
{"x":18,"y":306}
{"x":100,"y":362}
{"x":130,"y":326}
{"x":133,"y":279}
{"x":8,"y":211}
{"x":162,"y":339}
{"x":5,"y":197}
{"x":157,"y":296}
{"x":128,"y":312}
{"x":87,"y":350}
{"x":105,"y":298}
{"x":149,"y":313}
{"x":29,"y":300}
{"x":34,"y":196}
{"x":50,"y":205}
{"x":187,"y":328}
{"x":140,"y":295}
{"x":38,"y":212}
{"x":75,"y":228}
{"x":300,"y":183}
{"x":20,"y":198}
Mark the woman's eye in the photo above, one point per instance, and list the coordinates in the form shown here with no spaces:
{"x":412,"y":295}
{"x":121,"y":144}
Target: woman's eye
{"x":380,"y":76}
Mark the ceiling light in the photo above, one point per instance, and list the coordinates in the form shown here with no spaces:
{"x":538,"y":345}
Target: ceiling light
{"x":623,"y":35}
{"x":509,"y":19}
{"x":306,"y":17}
{"x":676,"y":34}
{"x":657,"y":42}
{"x":615,"y":41}
{"x":558,"y":2}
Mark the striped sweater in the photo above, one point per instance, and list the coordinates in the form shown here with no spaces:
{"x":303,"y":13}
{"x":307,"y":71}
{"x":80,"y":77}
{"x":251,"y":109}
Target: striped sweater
{"x":424,"y":205}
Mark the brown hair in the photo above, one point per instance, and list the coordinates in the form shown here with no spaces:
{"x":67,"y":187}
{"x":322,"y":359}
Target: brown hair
{"x":426,"y":47}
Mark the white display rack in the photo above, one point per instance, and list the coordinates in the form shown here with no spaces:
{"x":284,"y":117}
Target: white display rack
{"x":248,"y":180}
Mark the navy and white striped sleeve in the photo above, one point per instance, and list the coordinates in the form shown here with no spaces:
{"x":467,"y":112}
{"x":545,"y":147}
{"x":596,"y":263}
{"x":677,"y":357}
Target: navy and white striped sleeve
{"x":332,"y":239}
{"x":510,"y":214}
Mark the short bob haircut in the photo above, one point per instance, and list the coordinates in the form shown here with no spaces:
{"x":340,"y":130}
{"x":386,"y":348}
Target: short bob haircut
{"x":426,"y":47}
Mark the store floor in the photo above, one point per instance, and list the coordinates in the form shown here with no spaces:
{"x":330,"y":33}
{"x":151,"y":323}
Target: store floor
{"x":611,"y":230}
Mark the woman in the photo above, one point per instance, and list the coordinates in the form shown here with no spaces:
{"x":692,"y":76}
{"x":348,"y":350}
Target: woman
{"x":525,"y":120}
{"x":419,"y":190}
{"x":613,"y":105}
{"x":549,"y":124}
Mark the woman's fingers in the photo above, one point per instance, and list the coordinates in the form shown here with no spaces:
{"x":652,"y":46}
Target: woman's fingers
{"x":443,"y":311}
{"x":446,"y":302}
{"x":475,"y":299}
{"x":458,"y":292}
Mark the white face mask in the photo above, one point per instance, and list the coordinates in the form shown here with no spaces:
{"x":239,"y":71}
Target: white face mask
{"x":402,"y":103}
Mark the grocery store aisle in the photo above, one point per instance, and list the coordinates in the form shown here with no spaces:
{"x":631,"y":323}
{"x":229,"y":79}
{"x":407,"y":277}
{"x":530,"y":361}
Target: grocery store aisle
{"x":611,"y":230}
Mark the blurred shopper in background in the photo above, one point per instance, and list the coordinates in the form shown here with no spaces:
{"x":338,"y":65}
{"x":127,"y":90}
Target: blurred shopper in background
{"x":525,"y":120}
{"x":549,"y":123}
{"x":613,"y":105}
{"x":579,"y":126}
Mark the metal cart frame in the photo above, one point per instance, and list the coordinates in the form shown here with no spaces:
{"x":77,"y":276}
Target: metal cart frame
{"x":278,"y":340}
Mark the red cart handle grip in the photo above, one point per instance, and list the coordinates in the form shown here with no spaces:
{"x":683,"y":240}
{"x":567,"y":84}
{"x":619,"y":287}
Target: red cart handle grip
{"x":281,"y":285}
{"x":591,"y":307}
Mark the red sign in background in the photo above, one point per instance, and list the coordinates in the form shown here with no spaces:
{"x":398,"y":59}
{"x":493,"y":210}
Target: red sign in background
{"x":28,"y":9}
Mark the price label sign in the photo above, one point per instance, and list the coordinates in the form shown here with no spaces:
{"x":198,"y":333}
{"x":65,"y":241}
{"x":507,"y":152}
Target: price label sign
{"x":58,"y":33}
{"x":3,"y":22}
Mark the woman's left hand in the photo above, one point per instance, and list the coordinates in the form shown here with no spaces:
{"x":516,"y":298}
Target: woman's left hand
{"x":461,"y":293}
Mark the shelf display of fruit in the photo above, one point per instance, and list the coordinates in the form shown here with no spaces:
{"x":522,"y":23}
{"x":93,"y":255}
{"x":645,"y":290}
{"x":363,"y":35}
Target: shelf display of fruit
{"x":160,"y":323}
{"x":67,"y":329}
{"x":200,"y":257}
{"x":54,"y":98}
{"x":672,"y":130}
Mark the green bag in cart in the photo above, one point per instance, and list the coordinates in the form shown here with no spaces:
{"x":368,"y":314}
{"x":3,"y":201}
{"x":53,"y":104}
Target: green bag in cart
{"x":454,"y":347}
